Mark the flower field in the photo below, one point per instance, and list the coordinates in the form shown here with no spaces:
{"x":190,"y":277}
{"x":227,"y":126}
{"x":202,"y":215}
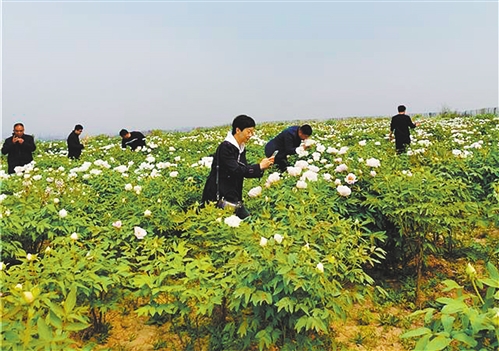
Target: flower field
{"x":123,"y":231}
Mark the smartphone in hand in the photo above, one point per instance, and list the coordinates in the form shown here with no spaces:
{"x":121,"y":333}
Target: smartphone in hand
{"x":275,"y":153}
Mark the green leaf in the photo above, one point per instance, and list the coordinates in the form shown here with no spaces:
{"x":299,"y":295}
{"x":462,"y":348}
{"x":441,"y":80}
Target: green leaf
{"x":463,"y":337}
{"x":447,"y":322}
{"x":439,"y":343}
{"x":416,"y":332}
{"x":43,"y":330}
{"x":451,"y":285}
{"x":70,"y":302}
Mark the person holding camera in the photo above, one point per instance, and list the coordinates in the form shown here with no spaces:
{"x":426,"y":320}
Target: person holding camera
{"x":19,"y":148}
{"x":229,"y":168}
{"x":286,"y":142}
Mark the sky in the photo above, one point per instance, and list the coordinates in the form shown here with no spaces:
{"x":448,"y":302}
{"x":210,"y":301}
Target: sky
{"x":143,"y":65}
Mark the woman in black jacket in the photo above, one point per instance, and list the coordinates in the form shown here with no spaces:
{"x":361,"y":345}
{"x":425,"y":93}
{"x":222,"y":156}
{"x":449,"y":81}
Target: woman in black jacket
{"x":229,"y":167}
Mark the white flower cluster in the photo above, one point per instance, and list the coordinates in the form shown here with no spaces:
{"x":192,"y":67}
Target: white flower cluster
{"x":257,"y":191}
{"x":233,"y":221}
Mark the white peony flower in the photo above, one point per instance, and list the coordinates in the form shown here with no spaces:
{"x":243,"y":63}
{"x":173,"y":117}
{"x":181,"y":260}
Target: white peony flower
{"x":257,"y":191}
{"x":173,"y":174}
{"x":2,"y":266}
{"x":343,"y":190}
{"x":373,"y":173}
{"x":294,"y":171}
{"x":147,"y":213}
{"x":150,"y":159}
{"x":128,"y":187}
{"x":372,"y":162}
{"x":137,"y":189}
{"x":30,"y":257}
{"x":263,"y":241}
{"x":301,"y":164}
{"x":337,"y":181}
{"x":48,"y":249}
{"x":350,"y":178}
{"x":233,"y":221}
{"x":18,"y":287}
{"x":123,"y":169}
{"x":56,"y":200}
{"x":327,"y":177}
{"x":139,"y":232}
{"x":341,"y":168}
{"x":320,"y":267}
{"x":74,"y":236}
{"x":117,"y":224}
{"x":310,"y":176}
{"x":63,"y":213}
{"x":301,"y":184}
{"x":362,"y":143}
{"x":278,"y":238}
{"x":274,"y":177}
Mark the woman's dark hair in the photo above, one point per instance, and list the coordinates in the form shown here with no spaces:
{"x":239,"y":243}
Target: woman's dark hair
{"x":242,"y":122}
{"x":306,"y":129}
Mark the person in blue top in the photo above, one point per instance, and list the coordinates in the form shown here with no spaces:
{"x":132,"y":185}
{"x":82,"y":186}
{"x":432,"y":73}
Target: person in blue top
{"x":286,"y":142}
{"x":399,"y":126}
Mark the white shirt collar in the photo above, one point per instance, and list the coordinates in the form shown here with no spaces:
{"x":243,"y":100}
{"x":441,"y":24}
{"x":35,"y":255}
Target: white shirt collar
{"x":230,"y":138}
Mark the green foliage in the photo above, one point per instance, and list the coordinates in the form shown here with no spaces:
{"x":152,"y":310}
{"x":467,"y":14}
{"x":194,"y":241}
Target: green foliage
{"x":467,"y":321}
{"x":82,"y":238}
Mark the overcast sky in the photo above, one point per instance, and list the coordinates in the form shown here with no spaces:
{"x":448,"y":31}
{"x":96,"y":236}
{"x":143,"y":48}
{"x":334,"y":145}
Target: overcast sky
{"x":170,"y":65}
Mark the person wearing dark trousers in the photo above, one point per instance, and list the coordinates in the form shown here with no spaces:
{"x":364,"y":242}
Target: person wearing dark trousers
{"x":132,"y":139}
{"x":19,"y":148}
{"x":74,"y":145}
{"x":286,"y":142}
{"x":229,"y":168}
{"x":399,"y":126}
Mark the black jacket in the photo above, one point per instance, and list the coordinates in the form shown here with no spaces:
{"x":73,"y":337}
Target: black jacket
{"x":136,"y":139}
{"x":19,"y":154}
{"x":74,"y":145}
{"x":400,"y":127}
{"x":232,"y":171}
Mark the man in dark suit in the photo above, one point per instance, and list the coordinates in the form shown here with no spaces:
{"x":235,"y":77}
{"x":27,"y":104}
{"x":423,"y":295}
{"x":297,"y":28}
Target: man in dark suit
{"x":19,"y":148}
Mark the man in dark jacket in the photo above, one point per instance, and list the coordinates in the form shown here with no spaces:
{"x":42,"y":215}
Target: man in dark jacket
{"x":399,"y":126}
{"x":229,"y":167}
{"x":286,"y":143}
{"x":132,"y":139}
{"x":74,"y":145}
{"x":19,"y":148}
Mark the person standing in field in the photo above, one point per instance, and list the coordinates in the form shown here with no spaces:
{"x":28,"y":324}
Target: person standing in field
{"x":286,"y":142}
{"x":74,"y":145}
{"x":133,"y":139}
{"x":230,"y":167}
{"x":399,"y":127}
{"x":19,"y":148}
